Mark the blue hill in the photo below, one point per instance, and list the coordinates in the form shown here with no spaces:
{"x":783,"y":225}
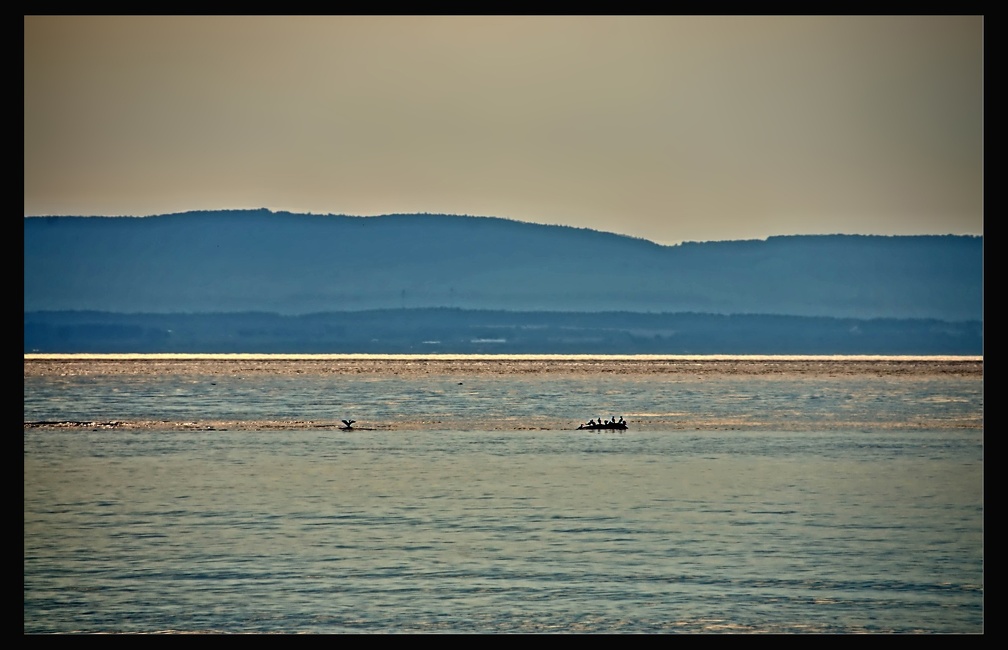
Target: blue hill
{"x":263,"y":261}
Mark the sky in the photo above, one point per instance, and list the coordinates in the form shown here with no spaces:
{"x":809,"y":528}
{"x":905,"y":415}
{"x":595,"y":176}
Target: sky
{"x":667,"y":128}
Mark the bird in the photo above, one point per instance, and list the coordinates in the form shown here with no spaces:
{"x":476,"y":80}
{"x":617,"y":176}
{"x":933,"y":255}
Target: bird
{"x":348,"y":423}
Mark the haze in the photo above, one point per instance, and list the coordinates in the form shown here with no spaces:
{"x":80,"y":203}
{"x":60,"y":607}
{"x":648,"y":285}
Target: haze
{"x":669,"y":128}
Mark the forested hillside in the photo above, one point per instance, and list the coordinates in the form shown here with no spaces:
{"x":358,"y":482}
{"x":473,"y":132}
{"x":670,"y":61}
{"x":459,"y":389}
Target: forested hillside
{"x":257,"y":260}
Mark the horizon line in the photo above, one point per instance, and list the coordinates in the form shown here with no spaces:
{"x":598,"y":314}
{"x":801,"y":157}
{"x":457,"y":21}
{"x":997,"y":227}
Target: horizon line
{"x":33,"y":356}
{"x":484,"y":216}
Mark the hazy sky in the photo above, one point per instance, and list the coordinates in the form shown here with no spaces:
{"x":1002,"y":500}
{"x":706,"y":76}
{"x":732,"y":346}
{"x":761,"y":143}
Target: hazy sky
{"x":668,"y":128}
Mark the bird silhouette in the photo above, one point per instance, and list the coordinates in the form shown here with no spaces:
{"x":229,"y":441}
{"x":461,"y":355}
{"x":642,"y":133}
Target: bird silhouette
{"x":348,"y":423}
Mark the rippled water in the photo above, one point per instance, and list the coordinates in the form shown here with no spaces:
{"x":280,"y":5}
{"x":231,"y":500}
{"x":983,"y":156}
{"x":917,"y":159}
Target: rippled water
{"x":230,"y":502}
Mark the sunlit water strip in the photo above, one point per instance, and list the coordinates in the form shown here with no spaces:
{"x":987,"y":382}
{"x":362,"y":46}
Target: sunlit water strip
{"x":515,"y":357}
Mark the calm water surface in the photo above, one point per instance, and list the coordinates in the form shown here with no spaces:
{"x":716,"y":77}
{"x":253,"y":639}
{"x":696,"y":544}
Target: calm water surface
{"x":734,"y":504}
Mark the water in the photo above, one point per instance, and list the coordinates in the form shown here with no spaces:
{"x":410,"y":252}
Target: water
{"x":745,"y":498}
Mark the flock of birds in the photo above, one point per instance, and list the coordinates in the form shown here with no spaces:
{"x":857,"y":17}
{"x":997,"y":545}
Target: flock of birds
{"x":611,"y":423}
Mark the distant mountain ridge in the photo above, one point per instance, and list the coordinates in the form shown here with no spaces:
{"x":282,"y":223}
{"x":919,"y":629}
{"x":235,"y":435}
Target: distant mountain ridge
{"x":263,"y":261}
